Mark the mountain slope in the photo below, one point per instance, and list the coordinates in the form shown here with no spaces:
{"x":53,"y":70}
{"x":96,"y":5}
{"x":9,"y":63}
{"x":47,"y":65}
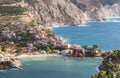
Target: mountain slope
{"x":73,"y":12}
{"x":51,"y":12}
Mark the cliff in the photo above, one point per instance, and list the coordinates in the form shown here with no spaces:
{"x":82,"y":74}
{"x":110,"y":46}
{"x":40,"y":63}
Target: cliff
{"x":72,"y":12}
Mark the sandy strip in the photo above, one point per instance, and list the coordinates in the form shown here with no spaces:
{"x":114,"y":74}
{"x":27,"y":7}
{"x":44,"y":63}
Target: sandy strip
{"x":40,"y":55}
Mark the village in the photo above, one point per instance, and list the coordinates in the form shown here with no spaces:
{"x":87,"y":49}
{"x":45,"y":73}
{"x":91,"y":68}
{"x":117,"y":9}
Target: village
{"x":33,"y":39}
{"x":19,"y":38}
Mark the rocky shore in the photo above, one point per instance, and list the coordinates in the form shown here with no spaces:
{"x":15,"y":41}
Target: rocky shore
{"x":9,"y":61}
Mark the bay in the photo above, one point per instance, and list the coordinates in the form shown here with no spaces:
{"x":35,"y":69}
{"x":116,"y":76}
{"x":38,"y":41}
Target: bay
{"x":54,"y":67}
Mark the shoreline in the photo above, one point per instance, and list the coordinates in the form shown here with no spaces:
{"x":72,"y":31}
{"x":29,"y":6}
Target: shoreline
{"x":97,"y":67}
{"x":39,"y":55}
{"x":83,"y":23}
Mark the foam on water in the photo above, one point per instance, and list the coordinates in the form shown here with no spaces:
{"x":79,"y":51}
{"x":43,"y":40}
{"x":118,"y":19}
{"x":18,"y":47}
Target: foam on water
{"x":83,"y":25}
{"x":3,"y":71}
{"x":64,"y":39}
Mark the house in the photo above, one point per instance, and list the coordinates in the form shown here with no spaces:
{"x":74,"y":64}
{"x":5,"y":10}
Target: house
{"x":91,"y":51}
{"x":51,"y":43}
{"x":64,"y":52}
{"x":43,"y":52}
{"x":78,"y":53}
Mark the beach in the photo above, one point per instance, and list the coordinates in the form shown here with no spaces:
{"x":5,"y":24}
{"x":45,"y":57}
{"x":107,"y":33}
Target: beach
{"x":39,"y":55}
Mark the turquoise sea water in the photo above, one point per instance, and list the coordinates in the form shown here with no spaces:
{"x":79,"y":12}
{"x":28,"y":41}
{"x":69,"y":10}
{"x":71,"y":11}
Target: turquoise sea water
{"x":106,"y":34}
{"x":54,"y":67}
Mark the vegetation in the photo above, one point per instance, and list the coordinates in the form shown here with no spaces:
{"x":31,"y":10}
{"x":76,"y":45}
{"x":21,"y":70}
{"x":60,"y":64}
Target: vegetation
{"x":9,"y":1}
{"x":12,"y":10}
{"x":95,"y":46}
{"x":31,"y":2}
{"x":110,"y":67}
{"x":4,"y":47}
{"x":85,"y":46}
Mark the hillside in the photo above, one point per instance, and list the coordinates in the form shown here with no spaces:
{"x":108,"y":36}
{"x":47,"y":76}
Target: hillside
{"x":110,"y":66}
{"x":72,"y":12}
{"x":67,"y":12}
{"x":20,"y":33}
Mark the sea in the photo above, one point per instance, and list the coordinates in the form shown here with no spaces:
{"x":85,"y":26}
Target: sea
{"x":105,"y":34}
{"x":54,"y":67}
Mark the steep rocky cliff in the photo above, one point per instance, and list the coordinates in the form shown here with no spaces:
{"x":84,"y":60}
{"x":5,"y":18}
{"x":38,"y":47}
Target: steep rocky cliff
{"x":57,"y":12}
{"x":72,"y":12}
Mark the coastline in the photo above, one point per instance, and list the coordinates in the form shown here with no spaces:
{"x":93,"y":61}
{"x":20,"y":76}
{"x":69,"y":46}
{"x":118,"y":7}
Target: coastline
{"x":83,"y":23}
{"x":39,"y":55}
{"x":66,"y":25}
{"x":97,"y":67}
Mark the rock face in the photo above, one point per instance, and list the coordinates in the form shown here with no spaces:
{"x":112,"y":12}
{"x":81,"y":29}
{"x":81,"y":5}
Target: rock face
{"x":54,"y":12}
{"x":5,"y":65}
{"x":72,"y":12}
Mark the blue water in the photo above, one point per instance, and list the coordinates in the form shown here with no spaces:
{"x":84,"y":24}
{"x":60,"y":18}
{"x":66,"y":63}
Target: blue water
{"x":106,"y":34}
{"x":54,"y":67}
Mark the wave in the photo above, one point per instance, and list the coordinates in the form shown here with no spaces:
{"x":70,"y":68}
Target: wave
{"x":53,"y":27}
{"x":64,"y":39}
{"x":113,"y":20}
{"x":57,"y":26}
{"x":3,"y":71}
{"x":83,"y":25}
{"x":108,"y":20}
{"x":113,"y":17}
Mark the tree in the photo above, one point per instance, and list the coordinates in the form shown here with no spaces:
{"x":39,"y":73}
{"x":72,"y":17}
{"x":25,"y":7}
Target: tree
{"x":102,"y":74}
{"x":85,"y":46}
{"x":111,"y":74}
{"x":19,"y":50}
{"x":94,"y":76}
{"x":117,"y":67}
{"x":48,"y":49}
{"x":4,"y":46}
{"x":100,"y":50}
{"x":95,"y":46}
{"x":0,"y":50}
